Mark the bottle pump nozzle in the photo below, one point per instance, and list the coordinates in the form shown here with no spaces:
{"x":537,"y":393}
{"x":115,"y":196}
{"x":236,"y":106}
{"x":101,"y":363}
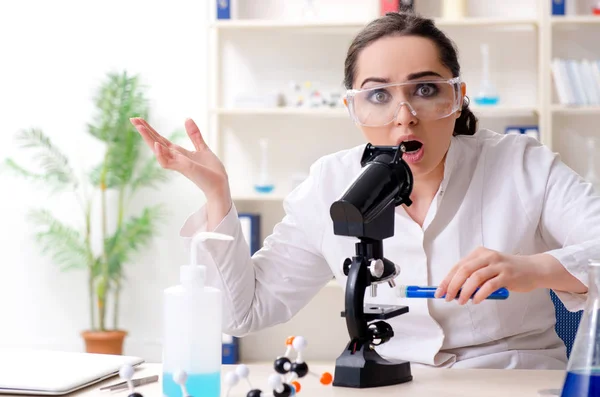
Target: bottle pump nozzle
{"x":194,"y":274}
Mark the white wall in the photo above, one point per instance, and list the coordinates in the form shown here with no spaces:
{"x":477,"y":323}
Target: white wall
{"x":53,"y":55}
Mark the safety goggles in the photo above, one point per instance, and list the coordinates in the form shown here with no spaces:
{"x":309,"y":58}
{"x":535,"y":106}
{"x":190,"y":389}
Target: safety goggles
{"x":425,"y":99}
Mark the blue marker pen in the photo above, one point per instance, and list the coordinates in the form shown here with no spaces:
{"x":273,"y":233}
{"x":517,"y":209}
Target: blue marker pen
{"x":413,"y":291}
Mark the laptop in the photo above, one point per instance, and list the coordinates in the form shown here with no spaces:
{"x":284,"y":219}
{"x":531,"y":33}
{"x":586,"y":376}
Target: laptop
{"x":55,"y":373}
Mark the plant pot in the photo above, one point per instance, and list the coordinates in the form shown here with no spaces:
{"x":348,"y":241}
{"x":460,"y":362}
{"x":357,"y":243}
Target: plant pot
{"x":104,"y":342}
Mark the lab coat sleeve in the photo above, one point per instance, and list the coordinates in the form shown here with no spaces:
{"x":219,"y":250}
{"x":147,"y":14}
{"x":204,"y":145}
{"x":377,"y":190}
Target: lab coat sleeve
{"x":278,"y":280}
{"x":569,"y":219}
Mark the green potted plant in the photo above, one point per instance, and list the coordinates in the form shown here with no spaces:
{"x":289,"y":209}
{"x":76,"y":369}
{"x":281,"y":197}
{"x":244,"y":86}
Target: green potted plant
{"x":122,"y":173}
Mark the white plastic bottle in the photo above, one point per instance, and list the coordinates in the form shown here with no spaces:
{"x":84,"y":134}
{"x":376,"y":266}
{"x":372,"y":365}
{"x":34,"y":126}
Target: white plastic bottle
{"x":192,"y":330}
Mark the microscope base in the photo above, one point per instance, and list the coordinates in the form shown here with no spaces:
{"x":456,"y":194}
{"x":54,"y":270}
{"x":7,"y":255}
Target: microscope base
{"x":366,"y":368}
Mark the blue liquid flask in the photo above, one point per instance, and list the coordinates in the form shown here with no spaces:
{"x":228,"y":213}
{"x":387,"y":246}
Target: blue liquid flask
{"x":487,"y":95}
{"x":264,"y":185}
{"x":583,"y":371}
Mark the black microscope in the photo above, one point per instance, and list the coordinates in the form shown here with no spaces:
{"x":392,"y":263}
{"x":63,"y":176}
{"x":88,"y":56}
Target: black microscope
{"x":366,"y":211}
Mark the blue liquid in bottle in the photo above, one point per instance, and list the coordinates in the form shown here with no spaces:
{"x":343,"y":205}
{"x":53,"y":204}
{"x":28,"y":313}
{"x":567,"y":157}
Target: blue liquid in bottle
{"x":582,"y":383}
{"x":264,"y":188}
{"x":487,"y":100}
{"x":197,"y":385}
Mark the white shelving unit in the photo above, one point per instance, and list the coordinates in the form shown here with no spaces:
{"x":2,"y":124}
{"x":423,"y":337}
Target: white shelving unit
{"x":262,"y":53}
{"x":528,"y":95}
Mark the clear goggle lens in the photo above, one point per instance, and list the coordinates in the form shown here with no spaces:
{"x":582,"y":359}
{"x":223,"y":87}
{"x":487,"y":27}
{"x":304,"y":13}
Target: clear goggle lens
{"x":426,"y":100}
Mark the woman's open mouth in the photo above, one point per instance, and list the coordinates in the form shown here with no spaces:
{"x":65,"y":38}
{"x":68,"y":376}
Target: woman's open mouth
{"x":413,"y":151}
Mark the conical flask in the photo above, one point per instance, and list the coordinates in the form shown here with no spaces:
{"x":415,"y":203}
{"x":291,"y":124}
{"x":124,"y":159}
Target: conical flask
{"x":583,"y":369}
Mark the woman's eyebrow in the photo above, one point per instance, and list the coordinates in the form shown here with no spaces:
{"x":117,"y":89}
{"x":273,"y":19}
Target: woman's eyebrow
{"x":418,"y":75}
{"x":411,"y":76}
{"x":376,"y":80}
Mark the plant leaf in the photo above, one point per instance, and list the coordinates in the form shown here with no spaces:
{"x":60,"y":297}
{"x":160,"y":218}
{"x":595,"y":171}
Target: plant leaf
{"x":110,"y":181}
{"x":56,"y":170}
{"x":119,"y":98}
{"x":131,"y":237}
{"x":149,"y":175}
{"x":16,"y":169}
{"x":62,"y":243}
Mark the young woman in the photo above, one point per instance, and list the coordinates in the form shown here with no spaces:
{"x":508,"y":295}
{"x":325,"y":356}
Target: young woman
{"x":488,"y":211}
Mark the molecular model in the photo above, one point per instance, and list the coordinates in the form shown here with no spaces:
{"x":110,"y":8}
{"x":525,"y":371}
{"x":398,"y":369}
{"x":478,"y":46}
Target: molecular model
{"x":126,"y":373}
{"x":284,"y":383}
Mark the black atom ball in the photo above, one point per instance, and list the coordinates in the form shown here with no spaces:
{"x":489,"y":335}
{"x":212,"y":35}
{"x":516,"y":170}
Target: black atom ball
{"x":301,"y":369}
{"x":135,"y":395}
{"x":280,"y":365}
{"x":254,"y":393}
{"x":287,"y":391}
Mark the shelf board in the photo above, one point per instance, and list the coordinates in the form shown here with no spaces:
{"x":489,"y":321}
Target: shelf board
{"x":504,"y":111}
{"x":264,"y":24}
{"x":485,"y":22}
{"x":284,"y":111}
{"x":566,"y":109}
{"x":252,"y":196}
{"x":483,"y":111}
{"x":259,"y":24}
{"x":575,"y":20}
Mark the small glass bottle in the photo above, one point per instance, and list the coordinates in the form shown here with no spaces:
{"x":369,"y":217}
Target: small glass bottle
{"x":264,"y":183}
{"x":487,"y":95}
{"x":583,"y":370}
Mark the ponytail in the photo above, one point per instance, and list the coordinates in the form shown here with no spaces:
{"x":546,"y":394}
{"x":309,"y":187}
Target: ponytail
{"x":466,"y":123}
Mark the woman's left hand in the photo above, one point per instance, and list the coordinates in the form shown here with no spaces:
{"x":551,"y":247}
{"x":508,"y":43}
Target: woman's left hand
{"x":489,"y":270}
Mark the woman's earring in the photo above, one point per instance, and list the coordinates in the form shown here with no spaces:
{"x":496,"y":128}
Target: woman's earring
{"x":466,"y":102}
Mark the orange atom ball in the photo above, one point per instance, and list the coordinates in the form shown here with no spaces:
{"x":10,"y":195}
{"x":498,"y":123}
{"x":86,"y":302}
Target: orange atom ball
{"x":289,"y":341}
{"x":296,"y":386}
{"x":326,"y":378}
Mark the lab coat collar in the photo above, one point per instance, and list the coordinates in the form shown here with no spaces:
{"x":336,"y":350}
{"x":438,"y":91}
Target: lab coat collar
{"x":451,"y":161}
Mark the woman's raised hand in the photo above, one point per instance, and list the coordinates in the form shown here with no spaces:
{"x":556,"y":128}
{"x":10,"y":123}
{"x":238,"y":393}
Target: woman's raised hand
{"x":201,"y":166}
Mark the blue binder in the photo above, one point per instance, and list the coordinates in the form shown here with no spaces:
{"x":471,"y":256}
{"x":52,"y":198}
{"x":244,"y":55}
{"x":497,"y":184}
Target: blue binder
{"x":251,"y":230}
{"x":558,"y":7}
{"x":224,"y":9}
{"x":230,"y":350}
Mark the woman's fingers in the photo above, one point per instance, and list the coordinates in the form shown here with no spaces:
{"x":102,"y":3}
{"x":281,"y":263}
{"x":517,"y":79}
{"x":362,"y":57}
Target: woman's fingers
{"x":151,"y":131}
{"x":194,"y":133}
{"x":462,"y":274}
{"x":150,"y":136}
{"x":476,"y":280}
{"x":171,"y":159}
{"x":147,"y":137}
{"x":163,"y":155}
{"x":488,"y":288}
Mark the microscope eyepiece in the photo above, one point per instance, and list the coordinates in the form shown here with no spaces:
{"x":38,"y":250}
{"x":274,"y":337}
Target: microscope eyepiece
{"x":384,"y":182}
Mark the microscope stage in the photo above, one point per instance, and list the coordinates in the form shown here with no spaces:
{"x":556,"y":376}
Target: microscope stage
{"x":381,"y":312}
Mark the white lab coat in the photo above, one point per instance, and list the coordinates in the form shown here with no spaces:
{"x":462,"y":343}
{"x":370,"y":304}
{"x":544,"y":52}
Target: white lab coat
{"x":504,"y":192}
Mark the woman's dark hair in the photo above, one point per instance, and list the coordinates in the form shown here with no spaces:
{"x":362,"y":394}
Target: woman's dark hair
{"x":410,"y":24}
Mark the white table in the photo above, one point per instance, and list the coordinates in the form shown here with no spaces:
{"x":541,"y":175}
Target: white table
{"x":426,"y":382}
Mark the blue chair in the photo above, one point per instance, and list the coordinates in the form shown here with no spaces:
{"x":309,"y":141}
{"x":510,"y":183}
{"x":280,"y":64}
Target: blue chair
{"x":566,"y":322}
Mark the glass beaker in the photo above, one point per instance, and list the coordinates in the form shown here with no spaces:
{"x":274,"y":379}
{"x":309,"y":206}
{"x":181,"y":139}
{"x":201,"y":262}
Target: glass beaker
{"x":583,"y":369}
